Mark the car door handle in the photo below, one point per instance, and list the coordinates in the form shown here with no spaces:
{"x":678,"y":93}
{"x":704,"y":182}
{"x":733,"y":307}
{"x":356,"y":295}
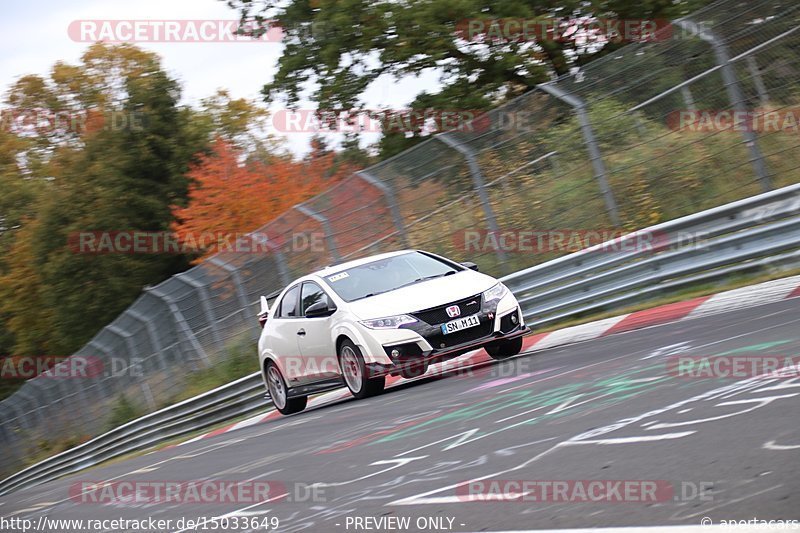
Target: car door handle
{"x":301,"y":332}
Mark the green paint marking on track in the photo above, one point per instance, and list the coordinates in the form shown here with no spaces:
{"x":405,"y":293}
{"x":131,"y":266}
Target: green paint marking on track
{"x":585,"y":394}
{"x":755,"y":347}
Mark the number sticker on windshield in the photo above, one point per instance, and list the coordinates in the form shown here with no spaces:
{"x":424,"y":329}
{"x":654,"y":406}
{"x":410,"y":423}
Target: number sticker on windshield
{"x":337,"y":277}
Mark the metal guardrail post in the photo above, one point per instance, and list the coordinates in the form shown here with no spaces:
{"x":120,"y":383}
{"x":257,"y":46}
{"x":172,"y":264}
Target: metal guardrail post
{"x":205,"y":302}
{"x":280,"y":258}
{"x":180,"y":322}
{"x":62,"y":394}
{"x":99,"y":346}
{"x":479,"y":185}
{"x":30,"y":401}
{"x":126,"y":337}
{"x":10,"y":444}
{"x":237,"y":281}
{"x":11,"y":457}
{"x":20,"y":414}
{"x":79,"y":391}
{"x":235,"y":277}
{"x":151,"y":333}
{"x":735,"y":95}
{"x":758,"y":81}
{"x":688,"y":98}
{"x":6,"y":434}
{"x":592,"y":146}
{"x":42,"y":391}
{"x":388,"y":193}
{"x":326,"y":227}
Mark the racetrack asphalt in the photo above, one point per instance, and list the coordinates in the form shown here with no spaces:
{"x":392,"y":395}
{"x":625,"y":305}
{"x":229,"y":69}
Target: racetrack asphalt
{"x":447,"y":451}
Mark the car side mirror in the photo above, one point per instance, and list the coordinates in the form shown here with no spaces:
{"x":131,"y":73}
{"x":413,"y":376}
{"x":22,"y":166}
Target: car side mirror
{"x":319,"y":309}
{"x":470,"y":265}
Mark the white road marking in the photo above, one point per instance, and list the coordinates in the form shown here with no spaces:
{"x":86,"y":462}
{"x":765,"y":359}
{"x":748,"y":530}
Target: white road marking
{"x":772,"y":446}
{"x":632,"y":440}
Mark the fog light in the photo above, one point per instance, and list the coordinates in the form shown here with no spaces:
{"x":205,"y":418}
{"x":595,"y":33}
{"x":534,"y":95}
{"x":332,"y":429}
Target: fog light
{"x":395,"y":353}
{"x":514,"y":318}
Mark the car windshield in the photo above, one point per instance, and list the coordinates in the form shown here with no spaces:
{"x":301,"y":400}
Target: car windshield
{"x":388,"y":274}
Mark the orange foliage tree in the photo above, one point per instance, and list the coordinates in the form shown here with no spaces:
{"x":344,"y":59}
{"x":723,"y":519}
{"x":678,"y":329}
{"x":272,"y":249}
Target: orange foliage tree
{"x":229,"y":197}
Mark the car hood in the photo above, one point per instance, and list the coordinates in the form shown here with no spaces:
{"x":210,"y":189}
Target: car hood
{"x":423,"y":295}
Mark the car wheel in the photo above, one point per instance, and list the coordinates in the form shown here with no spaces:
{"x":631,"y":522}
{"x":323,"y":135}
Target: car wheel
{"x":354,"y":372}
{"x":504,"y":349}
{"x":414,"y":370}
{"x":279,"y":392}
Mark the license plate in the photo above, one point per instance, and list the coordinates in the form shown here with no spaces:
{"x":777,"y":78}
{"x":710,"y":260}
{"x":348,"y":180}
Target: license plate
{"x":460,"y":323}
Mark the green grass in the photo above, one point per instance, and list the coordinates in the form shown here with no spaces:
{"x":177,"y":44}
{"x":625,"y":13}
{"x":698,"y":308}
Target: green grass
{"x":241,"y":359}
{"x":123,"y":412}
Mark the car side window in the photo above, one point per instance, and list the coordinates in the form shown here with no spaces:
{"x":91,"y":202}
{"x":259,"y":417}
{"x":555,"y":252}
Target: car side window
{"x":311,"y":294}
{"x":288,"y":308}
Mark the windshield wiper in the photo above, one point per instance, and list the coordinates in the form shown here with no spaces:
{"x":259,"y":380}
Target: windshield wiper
{"x":426,"y":278}
{"x":372,"y":294}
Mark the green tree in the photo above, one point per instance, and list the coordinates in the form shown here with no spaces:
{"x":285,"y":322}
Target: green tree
{"x":16,"y":204}
{"x":339,"y":47}
{"x":121,"y":170}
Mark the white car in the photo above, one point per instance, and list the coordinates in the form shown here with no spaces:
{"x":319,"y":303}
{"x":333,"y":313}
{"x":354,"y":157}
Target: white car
{"x":393,"y":313}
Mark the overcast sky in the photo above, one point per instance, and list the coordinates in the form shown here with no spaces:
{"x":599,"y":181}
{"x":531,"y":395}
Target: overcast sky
{"x":35,"y":36}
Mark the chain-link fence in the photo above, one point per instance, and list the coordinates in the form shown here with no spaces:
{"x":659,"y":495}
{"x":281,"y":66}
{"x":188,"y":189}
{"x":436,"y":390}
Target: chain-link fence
{"x":700,"y":116}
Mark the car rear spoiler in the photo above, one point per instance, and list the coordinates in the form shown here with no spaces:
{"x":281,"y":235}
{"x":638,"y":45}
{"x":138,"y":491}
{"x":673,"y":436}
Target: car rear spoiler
{"x":264,"y":309}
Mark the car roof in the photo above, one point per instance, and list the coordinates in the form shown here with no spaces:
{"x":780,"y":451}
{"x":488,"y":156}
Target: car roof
{"x":331,"y":269}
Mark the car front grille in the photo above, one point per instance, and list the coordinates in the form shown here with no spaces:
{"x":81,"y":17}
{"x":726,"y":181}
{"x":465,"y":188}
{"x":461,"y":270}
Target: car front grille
{"x":438,"y":315}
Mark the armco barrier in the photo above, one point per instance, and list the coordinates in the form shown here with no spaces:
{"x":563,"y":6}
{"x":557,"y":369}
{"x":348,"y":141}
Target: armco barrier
{"x":745,"y":234}
{"x":697,"y":247}
{"x":239,"y":398}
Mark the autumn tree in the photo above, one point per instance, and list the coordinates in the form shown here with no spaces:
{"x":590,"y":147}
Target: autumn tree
{"x":230,"y":195}
{"x":103,"y":175}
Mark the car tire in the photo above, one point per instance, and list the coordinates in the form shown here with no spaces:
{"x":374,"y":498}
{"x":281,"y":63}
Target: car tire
{"x":355,"y":374}
{"x":278,"y":391}
{"x":414,"y":370}
{"x":504,"y":349}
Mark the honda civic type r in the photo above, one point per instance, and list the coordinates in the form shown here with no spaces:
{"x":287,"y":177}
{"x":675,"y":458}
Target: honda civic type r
{"x":393,"y":313}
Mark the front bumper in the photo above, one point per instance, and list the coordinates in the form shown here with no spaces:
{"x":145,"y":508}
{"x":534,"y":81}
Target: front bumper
{"x":424,"y":342}
{"x":437,"y":356}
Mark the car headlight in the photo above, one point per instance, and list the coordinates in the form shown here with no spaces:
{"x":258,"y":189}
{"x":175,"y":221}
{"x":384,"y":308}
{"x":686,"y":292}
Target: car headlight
{"x":389,"y":322}
{"x":495,"y":293}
